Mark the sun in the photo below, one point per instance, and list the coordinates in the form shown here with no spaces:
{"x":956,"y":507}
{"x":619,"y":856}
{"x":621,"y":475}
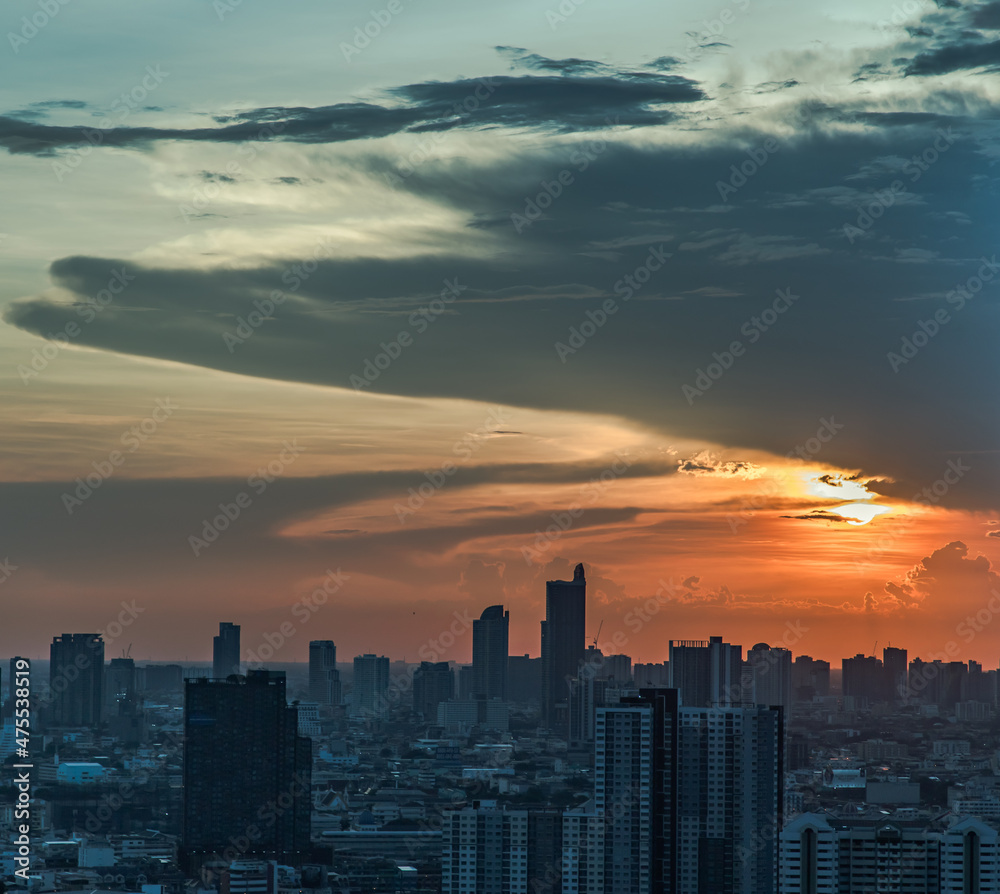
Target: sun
{"x":859,"y":513}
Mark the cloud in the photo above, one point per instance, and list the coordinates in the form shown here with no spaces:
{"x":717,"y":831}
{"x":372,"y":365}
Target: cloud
{"x":945,"y":580}
{"x":706,"y":463}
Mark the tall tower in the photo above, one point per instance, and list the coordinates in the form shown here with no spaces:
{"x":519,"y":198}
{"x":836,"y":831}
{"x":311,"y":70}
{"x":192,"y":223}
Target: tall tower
{"x":563,"y":644}
{"x":324,"y":678}
{"x":489,"y":653}
{"x":243,"y":753}
{"x":770,"y":675}
{"x":371,"y":685}
{"x":76,"y":679}
{"x":226,"y":651}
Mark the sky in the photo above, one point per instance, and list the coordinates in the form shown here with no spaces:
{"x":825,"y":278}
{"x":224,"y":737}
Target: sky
{"x":348,"y":320}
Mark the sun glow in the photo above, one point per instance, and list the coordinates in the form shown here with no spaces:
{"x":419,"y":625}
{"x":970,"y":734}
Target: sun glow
{"x":859,"y":513}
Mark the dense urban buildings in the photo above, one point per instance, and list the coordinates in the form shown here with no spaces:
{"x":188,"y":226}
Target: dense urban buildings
{"x":717,"y":770}
{"x":247,"y":771}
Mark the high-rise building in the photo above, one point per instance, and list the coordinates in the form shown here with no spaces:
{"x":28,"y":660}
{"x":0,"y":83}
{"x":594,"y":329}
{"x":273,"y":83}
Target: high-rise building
{"x":247,"y":772}
{"x":76,"y":679}
{"x":489,"y":653}
{"x":810,"y":678}
{"x":489,"y":850}
{"x":433,"y":683}
{"x":563,"y":644}
{"x":524,"y":679}
{"x":691,"y":797}
{"x":863,"y":681}
{"x":371,"y":686}
{"x":226,"y":651}
{"x":895,"y":666}
{"x":708,"y":673}
{"x":770,"y":676}
{"x":119,"y":686}
{"x":324,"y":678}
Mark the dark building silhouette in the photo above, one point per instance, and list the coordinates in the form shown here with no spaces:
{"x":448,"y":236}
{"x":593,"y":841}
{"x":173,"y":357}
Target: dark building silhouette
{"x":119,"y":685}
{"x":769,"y":674}
{"x":162,"y":678}
{"x":76,"y":679}
{"x":810,"y":678}
{"x":324,"y":678}
{"x":524,"y":679}
{"x":433,"y":683}
{"x":489,"y":653}
{"x":863,"y":679}
{"x":707,"y":673}
{"x":226,"y":651}
{"x":894,"y":666}
{"x":247,"y":772}
{"x":371,"y":686}
{"x":563,"y":644}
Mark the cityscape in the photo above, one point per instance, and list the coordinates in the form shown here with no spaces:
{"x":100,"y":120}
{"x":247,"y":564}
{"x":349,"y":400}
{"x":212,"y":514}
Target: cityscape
{"x":528,"y":447}
{"x":578,"y":771}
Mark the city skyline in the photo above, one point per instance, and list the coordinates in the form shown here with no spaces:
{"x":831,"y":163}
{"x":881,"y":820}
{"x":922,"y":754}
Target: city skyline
{"x":443,"y":309}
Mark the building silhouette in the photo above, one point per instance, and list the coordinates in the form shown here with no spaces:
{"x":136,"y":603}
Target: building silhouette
{"x":226,"y":651}
{"x":706,"y":673}
{"x":433,"y":683}
{"x":247,"y":771}
{"x":769,"y":676}
{"x":371,"y":686}
{"x":324,"y":678}
{"x":76,"y":680}
{"x":563,"y":644}
{"x":489,"y":653}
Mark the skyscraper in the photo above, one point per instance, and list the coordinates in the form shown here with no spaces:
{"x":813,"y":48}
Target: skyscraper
{"x":371,"y":685}
{"x":706,"y":673}
{"x":690,"y":797}
{"x":247,"y":772}
{"x":76,"y":679}
{"x":895,"y":666}
{"x":489,"y":653}
{"x":119,"y":685}
{"x":324,"y":678}
{"x":563,"y":644}
{"x":433,"y":683}
{"x":770,"y":676}
{"x":226,"y":651}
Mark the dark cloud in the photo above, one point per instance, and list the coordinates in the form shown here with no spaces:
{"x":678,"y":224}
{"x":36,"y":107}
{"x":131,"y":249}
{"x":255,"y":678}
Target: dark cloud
{"x":956,"y":57}
{"x":587,"y":95}
{"x":987,"y":16}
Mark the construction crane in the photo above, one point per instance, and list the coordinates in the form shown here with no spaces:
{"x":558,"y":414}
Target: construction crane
{"x":599,"y":629}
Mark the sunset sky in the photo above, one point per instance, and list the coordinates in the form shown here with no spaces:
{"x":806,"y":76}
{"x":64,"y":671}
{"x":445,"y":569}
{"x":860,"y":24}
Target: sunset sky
{"x":701,"y":295}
